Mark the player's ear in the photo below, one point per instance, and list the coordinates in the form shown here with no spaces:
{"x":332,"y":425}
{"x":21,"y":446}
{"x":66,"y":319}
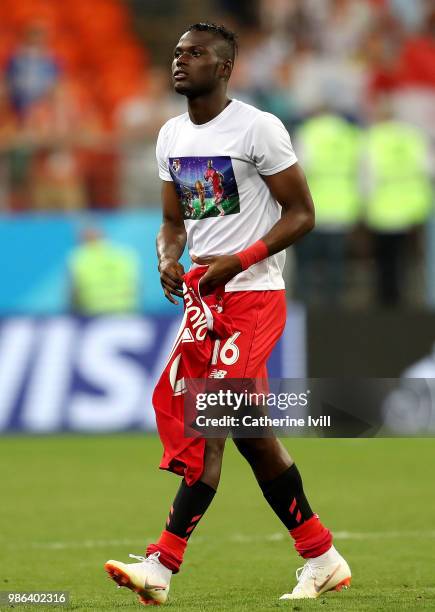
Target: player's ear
{"x":226,"y":68}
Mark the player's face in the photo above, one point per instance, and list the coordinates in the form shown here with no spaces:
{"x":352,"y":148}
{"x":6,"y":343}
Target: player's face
{"x":197,"y":68}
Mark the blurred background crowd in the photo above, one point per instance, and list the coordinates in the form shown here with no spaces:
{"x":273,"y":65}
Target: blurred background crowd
{"x":85,"y":87}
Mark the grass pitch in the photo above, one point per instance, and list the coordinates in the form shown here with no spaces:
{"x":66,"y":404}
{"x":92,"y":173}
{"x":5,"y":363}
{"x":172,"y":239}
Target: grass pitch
{"x":69,"y":503}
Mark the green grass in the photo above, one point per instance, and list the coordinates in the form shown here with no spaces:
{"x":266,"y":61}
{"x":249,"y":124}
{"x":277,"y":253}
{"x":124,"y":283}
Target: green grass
{"x":70,"y":503}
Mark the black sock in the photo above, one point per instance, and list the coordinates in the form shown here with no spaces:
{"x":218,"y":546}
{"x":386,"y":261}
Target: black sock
{"x":189,"y":505}
{"x":286,"y":497}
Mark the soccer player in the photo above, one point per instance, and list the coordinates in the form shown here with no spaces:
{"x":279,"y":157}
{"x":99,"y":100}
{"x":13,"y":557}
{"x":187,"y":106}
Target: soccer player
{"x":216,"y":179}
{"x":244,"y":251}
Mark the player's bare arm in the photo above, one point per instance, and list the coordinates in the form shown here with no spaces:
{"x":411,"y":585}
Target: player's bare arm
{"x":290,"y":189}
{"x":171,"y":241}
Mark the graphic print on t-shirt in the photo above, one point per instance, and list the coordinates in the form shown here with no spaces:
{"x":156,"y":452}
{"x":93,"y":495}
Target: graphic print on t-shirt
{"x":206,"y":186}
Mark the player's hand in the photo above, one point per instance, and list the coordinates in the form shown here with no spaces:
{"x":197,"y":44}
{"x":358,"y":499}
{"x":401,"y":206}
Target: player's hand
{"x":171,"y":278}
{"x":220,"y":271}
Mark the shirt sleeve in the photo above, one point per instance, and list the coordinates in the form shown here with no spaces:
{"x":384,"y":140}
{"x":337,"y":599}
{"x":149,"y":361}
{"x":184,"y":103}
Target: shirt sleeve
{"x":162,"y":160}
{"x":270,"y":146}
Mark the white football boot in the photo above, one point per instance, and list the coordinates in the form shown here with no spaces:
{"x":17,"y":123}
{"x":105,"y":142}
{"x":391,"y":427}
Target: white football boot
{"x":148,"y":578}
{"x":329,"y":572}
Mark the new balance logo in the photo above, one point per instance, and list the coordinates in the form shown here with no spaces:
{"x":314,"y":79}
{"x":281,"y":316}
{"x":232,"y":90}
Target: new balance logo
{"x":217,"y":373}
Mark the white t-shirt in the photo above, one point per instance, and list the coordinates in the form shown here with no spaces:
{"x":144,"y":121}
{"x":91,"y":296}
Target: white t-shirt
{"x":216,"y":167}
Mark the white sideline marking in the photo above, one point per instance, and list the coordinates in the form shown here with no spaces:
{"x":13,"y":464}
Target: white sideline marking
{"x":339,"y":535}
{"x":372,"y":535}
{"x":239,"y":538}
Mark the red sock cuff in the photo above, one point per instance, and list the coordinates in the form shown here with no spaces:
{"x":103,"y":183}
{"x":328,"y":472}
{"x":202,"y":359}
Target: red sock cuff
{"x":311,"y":538}
{"x":171,"y":548}
{"x":253,"y":254}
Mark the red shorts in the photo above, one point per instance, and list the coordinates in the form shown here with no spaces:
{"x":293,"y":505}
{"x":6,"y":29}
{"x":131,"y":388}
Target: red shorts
{"x":259,"y":319}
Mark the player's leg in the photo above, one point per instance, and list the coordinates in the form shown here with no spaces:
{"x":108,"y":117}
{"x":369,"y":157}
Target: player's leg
{"x":281,"y":483}
{"x":282,"y":487}
{"x":218,"y":197}
{"x":190,"y":504}
{"x":278,"y":476}
{"x":151,"y":576}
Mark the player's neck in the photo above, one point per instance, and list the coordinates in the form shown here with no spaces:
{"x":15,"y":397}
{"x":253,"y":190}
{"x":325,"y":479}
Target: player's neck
{"x":205,"y":108}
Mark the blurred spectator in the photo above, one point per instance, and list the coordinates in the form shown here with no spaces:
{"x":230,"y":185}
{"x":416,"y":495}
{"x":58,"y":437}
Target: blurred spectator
{"x":31,"y":70}
{"x":240,"y":83}
{"x":309,"y":79}
{"x":410,"y":13}
{"x":344,"y":27}
{"x":417,"y":60}
{"x":56,"y":126}
{"x":402,"y":64}
{"x":281,"y":99}
{"x":381,"y":49}
{"x":331,"y":151}
{"x":104,"y":277}
{"x":56,"y":181}
{"x":260,"y":54}
{"x":296,"y":18}
{"x":138,"y":120}
{"x":399,"y":197}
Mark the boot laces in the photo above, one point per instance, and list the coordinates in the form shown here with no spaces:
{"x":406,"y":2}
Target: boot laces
{"x":304,"y":571}
{"x":154,"y":558}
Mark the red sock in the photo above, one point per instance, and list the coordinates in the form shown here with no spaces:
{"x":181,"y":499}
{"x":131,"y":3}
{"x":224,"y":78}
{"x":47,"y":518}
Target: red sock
{"x":171,"y":548}
{"x":311,"y":538}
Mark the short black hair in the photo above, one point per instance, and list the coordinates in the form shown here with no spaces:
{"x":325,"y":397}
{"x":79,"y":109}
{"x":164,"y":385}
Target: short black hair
{"x":219,"y":30}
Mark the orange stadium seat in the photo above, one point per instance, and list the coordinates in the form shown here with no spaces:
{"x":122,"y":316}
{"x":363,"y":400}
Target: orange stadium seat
{"x":93,"y":41}
{"x":69,"y":53}
{"x":115,"y":86}
{"x":123,"y":55}
{"x":99,"y":17}
{"x":22,"y":13}
{"x":7,"y":44}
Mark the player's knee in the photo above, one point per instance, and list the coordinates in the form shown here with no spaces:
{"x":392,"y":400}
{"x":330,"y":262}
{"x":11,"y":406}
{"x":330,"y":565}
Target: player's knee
{"x":214,"y":449}
{"x":252,"y":448}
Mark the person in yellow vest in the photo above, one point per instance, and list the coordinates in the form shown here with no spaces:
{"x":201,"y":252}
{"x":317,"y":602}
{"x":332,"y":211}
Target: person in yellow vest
{"x":399,"y":198}
{"x":331,"y":149}
{"x":104,"y":276}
